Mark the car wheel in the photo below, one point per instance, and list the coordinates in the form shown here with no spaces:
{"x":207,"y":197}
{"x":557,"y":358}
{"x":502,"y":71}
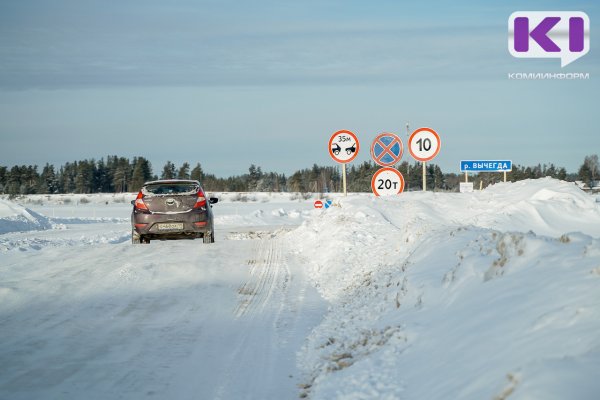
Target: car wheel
{"x":135,"y":237}
{"x":209,"y":237}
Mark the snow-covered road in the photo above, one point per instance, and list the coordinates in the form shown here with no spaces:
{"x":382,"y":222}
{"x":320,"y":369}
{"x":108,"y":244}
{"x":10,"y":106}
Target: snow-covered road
{"x":487,"y":295}
{"x":84,"y":314}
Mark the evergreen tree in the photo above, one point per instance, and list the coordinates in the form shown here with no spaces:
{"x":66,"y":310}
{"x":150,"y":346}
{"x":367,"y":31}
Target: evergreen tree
{"x":3,"y":176}
{"x":438,"y":178}
{"x":142,"y":172}
{"x":589,"y":172}
{"x":254,"y":175}
{"x":197,"y":174}
{"x":48,"y":183}
{"x":102,"y":179}
{"x":84,"y":178}
{"x":184,"y":171}
{"x":121,"y":176}
{"x":13,"y":181}
{"x":168,"y":171}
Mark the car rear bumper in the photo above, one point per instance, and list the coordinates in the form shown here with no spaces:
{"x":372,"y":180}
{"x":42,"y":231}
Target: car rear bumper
{"x":193,"y":222}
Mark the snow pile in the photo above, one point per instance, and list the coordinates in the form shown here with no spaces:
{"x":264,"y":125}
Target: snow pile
{"x":545,"y":206}
{"x":460,"y":296}
{"x":76,"y":199}
{"x":14,"y":218}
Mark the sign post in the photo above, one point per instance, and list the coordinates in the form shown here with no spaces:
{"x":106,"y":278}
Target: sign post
{"x":343,"y":148}
{"x":424,"y":144}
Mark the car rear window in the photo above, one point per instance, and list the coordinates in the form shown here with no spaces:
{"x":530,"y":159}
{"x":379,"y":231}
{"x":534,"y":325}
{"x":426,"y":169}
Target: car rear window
{"x":170,"y":188}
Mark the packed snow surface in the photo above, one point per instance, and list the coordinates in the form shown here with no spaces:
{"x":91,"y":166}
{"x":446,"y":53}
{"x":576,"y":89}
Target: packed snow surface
{"x":487,"y":295}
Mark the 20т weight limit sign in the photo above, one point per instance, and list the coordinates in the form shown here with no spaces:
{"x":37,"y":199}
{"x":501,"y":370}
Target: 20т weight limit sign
{"x":387,"y":182}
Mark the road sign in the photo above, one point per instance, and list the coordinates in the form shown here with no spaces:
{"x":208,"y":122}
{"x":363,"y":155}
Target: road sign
{"x":466,"y":187}
{"x":386,"y":149}
{"x":327,"y":203}
{"x":387,"y":182}
{"x":424,"y":144}
{"x":318,"y":204}
{"x":486,"y":166}
{"x":343,"y":146}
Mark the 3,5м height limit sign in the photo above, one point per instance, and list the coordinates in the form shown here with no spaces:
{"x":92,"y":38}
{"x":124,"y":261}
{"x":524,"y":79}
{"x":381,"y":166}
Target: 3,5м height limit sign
{"x":343,"y":148}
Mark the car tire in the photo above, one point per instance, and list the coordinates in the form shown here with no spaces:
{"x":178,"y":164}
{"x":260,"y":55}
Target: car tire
{"x":135,"y":237}
{"x":209,"y":237}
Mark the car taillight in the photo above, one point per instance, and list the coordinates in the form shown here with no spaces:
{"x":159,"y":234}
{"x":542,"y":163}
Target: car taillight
{"x":201,"y":200}
{"x":139,"y":202}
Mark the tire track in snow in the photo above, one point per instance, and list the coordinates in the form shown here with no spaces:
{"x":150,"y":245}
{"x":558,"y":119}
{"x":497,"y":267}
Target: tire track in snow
{"x":269,"y":314}
{"x":266,"y":268}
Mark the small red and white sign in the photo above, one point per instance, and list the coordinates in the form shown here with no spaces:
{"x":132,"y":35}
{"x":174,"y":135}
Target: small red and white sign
{"x":387,"y":182}
{"x":343,"y":146}
{"x":318,"y":204}
{"x":424,"y":144}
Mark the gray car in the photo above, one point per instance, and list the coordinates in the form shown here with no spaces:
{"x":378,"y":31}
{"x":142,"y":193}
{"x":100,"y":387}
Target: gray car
{"x":174,"y":208}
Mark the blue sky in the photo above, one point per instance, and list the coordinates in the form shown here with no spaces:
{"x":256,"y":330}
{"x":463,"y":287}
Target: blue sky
{"x":228,"y":83}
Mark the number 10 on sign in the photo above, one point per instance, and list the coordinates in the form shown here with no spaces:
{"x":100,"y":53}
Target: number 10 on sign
{"x":424,"y":144}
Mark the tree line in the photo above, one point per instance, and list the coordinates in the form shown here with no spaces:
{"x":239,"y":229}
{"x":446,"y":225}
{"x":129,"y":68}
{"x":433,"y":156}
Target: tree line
{"x":119,"y":174}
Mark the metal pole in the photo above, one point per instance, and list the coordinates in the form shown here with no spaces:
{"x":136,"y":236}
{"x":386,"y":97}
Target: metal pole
{"x":466,"y":177}
{"x":407,"y":163}
{"x":504,"y":176}
{"x":344,"y":178}
{"x":424,"y":176}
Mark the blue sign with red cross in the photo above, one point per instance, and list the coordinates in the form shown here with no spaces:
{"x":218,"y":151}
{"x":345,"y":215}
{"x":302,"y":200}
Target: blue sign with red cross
{"x":386,"y":149}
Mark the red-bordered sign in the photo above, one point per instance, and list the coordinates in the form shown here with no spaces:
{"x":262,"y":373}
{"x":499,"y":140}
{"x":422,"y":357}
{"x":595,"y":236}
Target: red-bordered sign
{"x":386,"y":149}
{"x":343,"y":146}
{"x":387,"y":182}
{"x":424,"y":144}
{"x":318,"y":204}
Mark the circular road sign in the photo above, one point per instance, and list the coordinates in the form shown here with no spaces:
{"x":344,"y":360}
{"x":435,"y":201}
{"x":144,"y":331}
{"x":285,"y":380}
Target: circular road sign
{"x":387,"y":182}
{"x":343,"y":146}
{"x":424,"y":144}
{"x":318,"y":204}
{"x":386,"y":149}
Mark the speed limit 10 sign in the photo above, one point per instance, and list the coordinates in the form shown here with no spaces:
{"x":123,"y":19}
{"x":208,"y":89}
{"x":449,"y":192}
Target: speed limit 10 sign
{"x":387,"y":182}
{"x":424,"y":144}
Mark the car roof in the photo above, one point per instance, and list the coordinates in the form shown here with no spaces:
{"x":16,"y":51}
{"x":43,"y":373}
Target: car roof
{"x":172,"y":181}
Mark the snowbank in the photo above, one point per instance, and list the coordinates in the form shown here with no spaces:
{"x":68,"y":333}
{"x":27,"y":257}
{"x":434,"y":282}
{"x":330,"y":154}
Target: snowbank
{"x":459,"y":296}
{"x":14,"y":218}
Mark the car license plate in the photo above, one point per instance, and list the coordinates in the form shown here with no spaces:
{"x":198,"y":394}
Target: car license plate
{"x":172,"y":226}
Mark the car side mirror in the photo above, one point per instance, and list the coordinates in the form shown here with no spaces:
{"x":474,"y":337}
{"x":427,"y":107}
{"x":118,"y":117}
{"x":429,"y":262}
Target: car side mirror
{"x":213,"y":200}
{"x":132,"y":202}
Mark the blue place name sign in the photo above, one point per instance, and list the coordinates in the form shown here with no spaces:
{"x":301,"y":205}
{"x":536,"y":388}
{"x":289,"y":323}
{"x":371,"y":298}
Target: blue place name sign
{"x":486,"y":166}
